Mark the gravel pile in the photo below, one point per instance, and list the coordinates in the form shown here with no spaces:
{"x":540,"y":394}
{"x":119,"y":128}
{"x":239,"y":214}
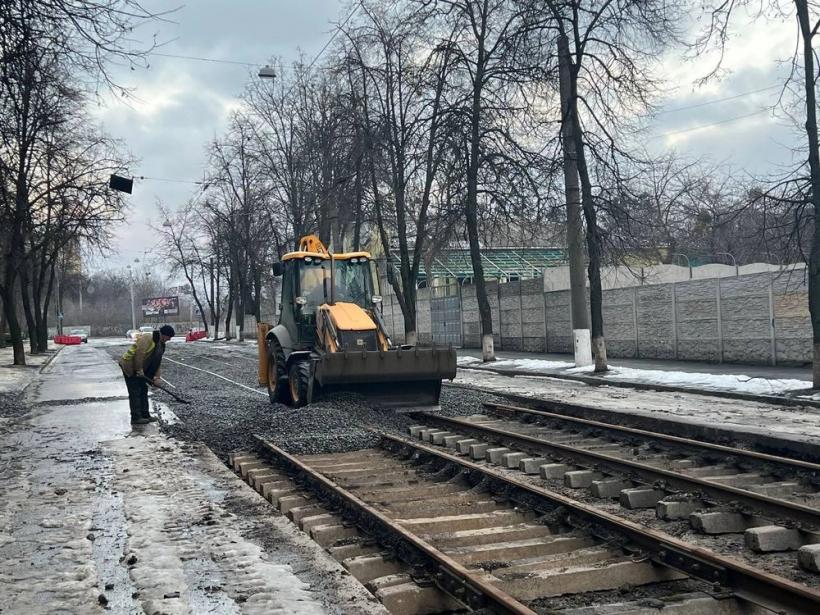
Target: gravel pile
{"x":226,"y":417}
{"x":11,"y":405}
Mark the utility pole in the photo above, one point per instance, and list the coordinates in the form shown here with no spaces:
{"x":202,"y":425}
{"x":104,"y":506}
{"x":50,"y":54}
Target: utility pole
{"x":575,"y":229}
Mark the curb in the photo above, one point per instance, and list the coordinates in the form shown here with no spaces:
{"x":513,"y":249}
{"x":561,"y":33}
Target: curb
{"x":48,"y":362}
{"x":777,"y":400}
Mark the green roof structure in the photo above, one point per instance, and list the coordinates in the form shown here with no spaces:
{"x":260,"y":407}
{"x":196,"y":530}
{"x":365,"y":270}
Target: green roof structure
{"x":520,"y":263}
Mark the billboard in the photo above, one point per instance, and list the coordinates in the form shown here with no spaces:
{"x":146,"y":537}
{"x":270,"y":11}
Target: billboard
{"x":160,"y":306}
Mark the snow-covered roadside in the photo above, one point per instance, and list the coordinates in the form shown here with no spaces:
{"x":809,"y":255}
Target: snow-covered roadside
{"x":527,"y":365}
{"x":97,"y":516}
{"x":738,"y":383}
{"x":750,"y":417}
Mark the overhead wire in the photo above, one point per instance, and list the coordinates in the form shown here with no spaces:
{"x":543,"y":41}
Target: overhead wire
{"x":358,"y":5}
{"x":202,"y":59}
{"x":710,"y":125}
{"x":167,"y":179}
{"x":716,"y":100}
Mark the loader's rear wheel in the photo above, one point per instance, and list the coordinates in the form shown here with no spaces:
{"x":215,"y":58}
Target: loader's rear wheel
{"x":300,"y":383}
{"x":277,"y":377}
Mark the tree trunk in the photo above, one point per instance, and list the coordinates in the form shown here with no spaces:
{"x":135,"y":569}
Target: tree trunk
{"x":3,"y":327}
{"x":596,"y":295}
{"x":25,"y":289}
{"x":410,"y":325}
{"x":814,"y":170}
{"x":575,"y":229}
{"x":10,"y":310}
{"x":215,"y":297}
{"x":357,"y":222}
{"x":46,"y":305}
{"x":40,"y":307}
{"x":484,"y":311}
{"x":239,"y":312}
{"x":229,"y":310}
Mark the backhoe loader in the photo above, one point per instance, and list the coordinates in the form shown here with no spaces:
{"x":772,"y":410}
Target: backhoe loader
{"x":331,"y":335}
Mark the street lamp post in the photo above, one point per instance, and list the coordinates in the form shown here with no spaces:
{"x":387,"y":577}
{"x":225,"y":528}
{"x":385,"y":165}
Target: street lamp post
{"x":131,"y":288}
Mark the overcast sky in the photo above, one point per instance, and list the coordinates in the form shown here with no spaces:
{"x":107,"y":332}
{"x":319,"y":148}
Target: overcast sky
{"x":180,"y":105}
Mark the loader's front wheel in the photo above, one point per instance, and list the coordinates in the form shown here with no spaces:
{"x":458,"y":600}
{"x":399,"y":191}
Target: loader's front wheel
{"x":300,"y":383}
{"x":277,"y":377}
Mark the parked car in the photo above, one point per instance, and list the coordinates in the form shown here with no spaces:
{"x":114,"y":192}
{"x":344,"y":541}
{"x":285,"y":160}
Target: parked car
{"x":79,"y":333}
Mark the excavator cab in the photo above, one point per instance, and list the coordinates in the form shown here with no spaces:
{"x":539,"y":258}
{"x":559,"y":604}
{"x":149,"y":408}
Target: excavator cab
{"x":331,"y":335}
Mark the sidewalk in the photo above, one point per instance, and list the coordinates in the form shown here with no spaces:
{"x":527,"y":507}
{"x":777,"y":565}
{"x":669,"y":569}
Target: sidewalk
{"x":96,"y":516}
{"x":746,"y":381}
{"x":15,"y":378}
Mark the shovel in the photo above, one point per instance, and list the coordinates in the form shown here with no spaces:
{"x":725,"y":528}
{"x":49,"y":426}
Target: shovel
{"x":171,"y":393}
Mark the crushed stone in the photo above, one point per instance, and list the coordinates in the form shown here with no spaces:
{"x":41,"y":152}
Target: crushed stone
{"x":226,"y":417}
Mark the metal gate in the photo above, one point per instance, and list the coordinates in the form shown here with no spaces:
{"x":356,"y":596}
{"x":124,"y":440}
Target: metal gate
{"x":445,"y":316}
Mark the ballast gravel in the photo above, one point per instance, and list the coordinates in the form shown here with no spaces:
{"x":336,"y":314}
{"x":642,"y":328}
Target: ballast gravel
{"x":11,"y":405}
{"x":226,"y":416}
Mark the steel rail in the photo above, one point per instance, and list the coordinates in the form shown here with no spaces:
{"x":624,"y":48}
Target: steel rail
{"x":719,"y":448}
{"x":746,"y":582}
{"x":807,"y":516}
{"x":450,"y":576}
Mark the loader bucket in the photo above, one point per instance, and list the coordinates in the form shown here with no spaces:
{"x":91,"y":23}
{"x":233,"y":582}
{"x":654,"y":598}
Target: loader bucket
{"x":396,"y":378}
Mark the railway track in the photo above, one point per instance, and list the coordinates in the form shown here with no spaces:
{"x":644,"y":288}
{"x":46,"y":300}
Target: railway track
{"x":772,"y":500}
{"x":430,"y":531}
{"x":785,"y":445}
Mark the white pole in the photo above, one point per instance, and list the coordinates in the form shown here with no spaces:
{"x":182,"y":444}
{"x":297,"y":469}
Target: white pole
{"x":583,"y":347}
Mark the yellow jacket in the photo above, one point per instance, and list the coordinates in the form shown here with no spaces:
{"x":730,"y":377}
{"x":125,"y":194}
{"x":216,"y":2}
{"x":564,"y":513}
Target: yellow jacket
{"x":133,"y":361}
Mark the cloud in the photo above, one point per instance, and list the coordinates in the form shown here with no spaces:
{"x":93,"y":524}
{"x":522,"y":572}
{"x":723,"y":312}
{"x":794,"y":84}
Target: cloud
{"x":733,"y":118}
{"x":178,"y":106}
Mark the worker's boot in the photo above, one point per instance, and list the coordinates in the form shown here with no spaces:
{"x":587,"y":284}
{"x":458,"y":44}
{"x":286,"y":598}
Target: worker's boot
{"x":140,"y":421}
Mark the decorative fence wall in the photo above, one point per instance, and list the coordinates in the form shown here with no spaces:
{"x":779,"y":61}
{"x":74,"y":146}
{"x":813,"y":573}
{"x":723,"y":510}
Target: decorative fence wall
{"x":755,"y":318}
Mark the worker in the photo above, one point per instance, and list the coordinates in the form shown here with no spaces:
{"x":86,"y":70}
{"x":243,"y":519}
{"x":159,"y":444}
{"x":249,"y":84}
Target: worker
{"x":140,"y":365}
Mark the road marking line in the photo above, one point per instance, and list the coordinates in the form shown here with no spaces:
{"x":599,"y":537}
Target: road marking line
{"x":217,"y":376}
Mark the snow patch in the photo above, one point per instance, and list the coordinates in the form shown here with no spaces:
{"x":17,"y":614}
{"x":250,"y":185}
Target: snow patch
{"x":739,"y":383}
{"x":468,"y":360}
{"x":532,"y":365}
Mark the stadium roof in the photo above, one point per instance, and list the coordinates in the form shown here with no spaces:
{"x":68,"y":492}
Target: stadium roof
{"x":521,"y":262}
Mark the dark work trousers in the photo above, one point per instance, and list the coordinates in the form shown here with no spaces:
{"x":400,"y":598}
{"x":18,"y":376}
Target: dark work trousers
{"x":137,"y":396}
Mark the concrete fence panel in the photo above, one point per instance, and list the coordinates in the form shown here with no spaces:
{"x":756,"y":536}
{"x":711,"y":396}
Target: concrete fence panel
{"x":758,"y":317}
{"x":657,"y":328}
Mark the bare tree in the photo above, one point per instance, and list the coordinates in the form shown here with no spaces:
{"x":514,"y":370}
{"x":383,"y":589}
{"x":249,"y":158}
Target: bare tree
{"x":237,"y":202}
{"x":608,"y":50}
{"x":799,"y":188}
{"x":180,"y":247}
{"x":43,"y":45}
{"x":497,"y":73}
{"x":397,"y":88}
